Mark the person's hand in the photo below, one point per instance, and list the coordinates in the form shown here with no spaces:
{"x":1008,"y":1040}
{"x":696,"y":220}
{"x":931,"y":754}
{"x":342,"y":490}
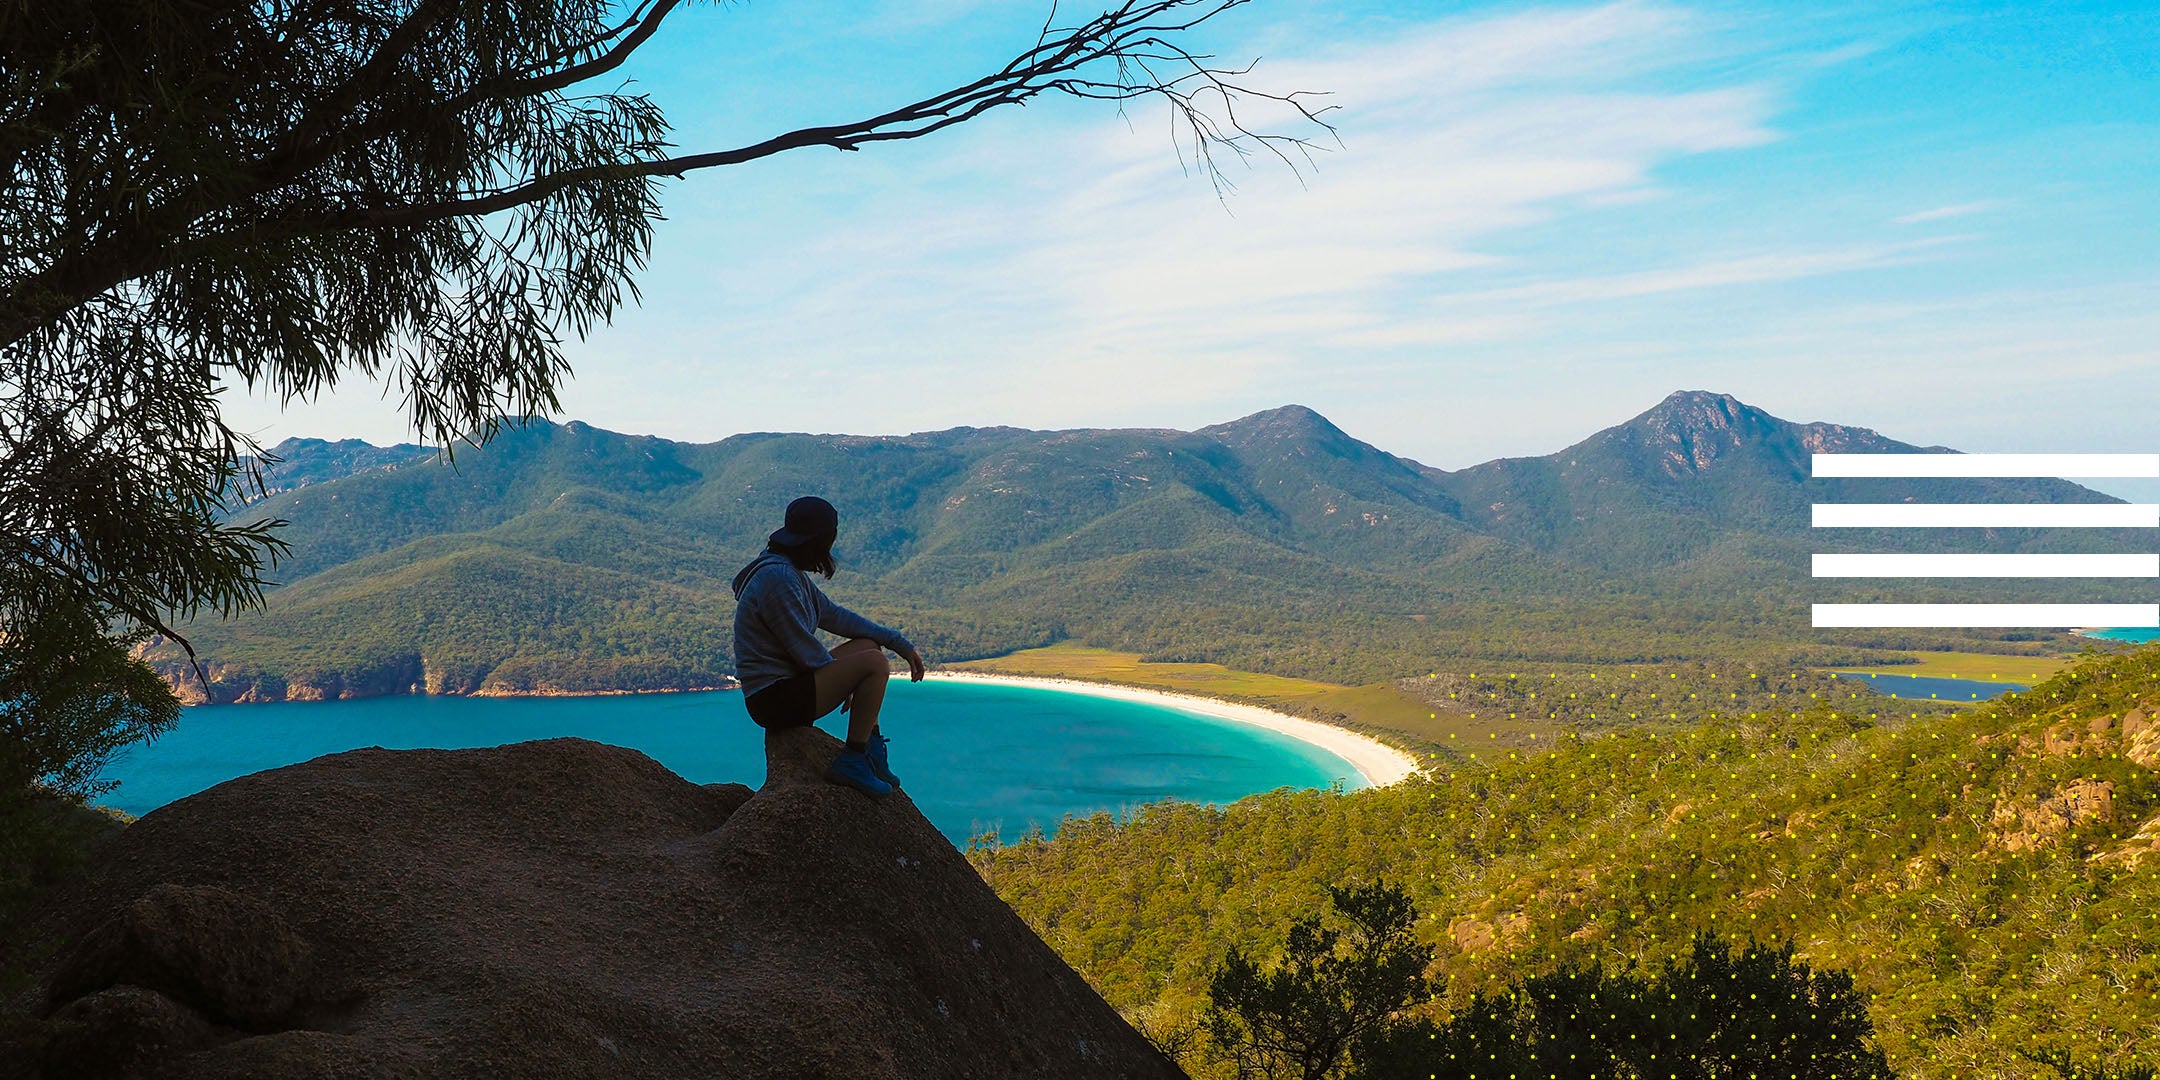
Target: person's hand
{"x":914,"y":663}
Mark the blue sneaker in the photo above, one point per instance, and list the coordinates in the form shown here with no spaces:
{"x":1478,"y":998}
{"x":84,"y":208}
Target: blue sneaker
{"x":852,"y":767}
{"x":878,"y":764}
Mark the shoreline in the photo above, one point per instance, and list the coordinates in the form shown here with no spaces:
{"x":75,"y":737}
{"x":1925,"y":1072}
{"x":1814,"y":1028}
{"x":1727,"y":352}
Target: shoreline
{"x":199,"y":702}
{"x":1379,"y":764}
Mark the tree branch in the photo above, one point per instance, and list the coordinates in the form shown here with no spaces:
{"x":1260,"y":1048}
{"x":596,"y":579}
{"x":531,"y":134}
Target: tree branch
{"x":375,"y":72}
{"x":301,"y":154}
{"x":577,"y":73}
{"x":1028,"y":75}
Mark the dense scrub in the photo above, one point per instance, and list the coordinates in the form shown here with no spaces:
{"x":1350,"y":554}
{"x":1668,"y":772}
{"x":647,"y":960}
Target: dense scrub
{"x":1991,"y":877}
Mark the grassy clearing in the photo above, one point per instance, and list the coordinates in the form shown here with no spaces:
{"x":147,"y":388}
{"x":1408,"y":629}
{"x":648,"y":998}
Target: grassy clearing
{"x":1068,"y":661}
{"x":1987,"y":667}
{"x":1378,"y":709}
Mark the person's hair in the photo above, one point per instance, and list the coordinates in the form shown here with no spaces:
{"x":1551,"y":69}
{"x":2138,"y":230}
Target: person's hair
{"x":812,"y":556}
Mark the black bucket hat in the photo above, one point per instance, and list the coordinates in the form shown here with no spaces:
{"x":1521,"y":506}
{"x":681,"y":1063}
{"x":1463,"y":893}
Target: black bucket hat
{"x":807,"y":519}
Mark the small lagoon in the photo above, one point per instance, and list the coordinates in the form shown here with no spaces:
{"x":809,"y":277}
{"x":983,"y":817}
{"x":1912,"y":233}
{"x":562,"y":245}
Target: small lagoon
{"x":972,"y":755}
{"x":1916,"y":686}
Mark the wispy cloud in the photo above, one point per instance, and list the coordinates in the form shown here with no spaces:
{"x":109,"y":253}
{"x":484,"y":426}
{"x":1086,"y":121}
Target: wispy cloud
{"x":1954,"y":210}
{"x":1719,"y":273}
{"x":1452,"y":138}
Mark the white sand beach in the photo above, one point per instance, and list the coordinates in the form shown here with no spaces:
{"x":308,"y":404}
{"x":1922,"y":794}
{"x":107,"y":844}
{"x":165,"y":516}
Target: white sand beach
{"x":1379,"y":763}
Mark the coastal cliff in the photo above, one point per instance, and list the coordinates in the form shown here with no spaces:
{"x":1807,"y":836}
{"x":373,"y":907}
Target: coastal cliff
{"x":555,"y":908}
{"x":228,"y":684}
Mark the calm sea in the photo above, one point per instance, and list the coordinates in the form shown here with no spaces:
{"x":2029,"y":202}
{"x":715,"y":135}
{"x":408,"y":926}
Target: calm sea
{"x":971,"y":755}
{"x":1920,"y":686}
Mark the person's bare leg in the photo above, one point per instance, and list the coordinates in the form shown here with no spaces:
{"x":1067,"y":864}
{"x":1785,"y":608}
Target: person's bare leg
{"x":849,"y":648}
{"x":854,"y":645}
{"x":858,"y":678}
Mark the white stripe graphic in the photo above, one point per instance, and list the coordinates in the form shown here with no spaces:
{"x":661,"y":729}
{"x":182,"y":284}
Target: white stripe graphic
{"x":1994,"y":465}
{"x":2061,"y":616}
{"x":2020,"y":565}
{"x":1987,"y":515}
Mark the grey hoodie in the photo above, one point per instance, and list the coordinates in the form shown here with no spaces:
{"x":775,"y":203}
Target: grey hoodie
{"x":778,"y":613}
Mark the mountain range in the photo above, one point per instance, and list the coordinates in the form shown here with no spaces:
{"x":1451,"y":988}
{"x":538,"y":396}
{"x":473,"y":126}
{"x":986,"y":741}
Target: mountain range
{"x":566,"y":558}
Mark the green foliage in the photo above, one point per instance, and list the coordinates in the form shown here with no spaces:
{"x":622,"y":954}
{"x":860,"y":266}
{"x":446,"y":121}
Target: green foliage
{"x":1714,"y":1014}
{"x":1333,"y":988}
{"x":1988,"y":877}
{"x":71,"y":696}
{"x":44,"y":838}
{"x":1556,"y":698}
{"x":2066,"y":1066}
{"x":1338,"y":1005}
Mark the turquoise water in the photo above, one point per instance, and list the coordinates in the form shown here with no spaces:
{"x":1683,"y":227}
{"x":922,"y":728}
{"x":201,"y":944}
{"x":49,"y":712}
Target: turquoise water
{"x":2127,"y":633}
{"x":972,"y":755}
{"x":1915,"y":686}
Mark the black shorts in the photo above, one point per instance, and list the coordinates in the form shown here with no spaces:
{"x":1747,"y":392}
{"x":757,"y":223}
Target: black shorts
{"x":791,"y":702}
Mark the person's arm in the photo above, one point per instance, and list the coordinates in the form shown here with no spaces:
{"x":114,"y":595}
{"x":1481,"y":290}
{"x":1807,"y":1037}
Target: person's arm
{"x":846,"y":623}
{"x":841,"y":621}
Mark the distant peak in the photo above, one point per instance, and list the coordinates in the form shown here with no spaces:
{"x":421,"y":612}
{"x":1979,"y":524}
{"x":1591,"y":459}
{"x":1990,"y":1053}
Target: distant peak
{"x":1697,"y":402}
{"x":1693,"y":414}
{"x":1691,"y":429}
{"x":1287,"y":413}
{"x":295,"y":444}
{"x":296,"y":449}
{"x":1704,"y":412}
{"x":1285,"y":420}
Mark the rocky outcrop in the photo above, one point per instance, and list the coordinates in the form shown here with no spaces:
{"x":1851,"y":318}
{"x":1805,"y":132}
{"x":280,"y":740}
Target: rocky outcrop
{"x":227,"y":956}
{"x":2142,"y":846}
{"x":412,"y":674}
{"x":2141,"y":739}
{"x":122,"y":1031}
{"x":2018,"y":825}
{"x":229,"y":685}
{"x":558,"y":908}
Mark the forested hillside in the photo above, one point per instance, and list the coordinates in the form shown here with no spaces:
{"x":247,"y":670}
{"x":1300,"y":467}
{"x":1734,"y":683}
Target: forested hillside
{"x":564,"y":557}
{"x":1990,"y":877}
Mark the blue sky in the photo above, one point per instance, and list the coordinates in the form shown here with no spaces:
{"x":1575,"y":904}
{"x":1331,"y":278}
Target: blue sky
{"x":1936,"y":220}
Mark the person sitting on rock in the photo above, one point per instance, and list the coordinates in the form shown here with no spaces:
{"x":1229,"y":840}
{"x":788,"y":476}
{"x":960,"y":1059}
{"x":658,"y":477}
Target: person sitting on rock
{"x":788,"y":678}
